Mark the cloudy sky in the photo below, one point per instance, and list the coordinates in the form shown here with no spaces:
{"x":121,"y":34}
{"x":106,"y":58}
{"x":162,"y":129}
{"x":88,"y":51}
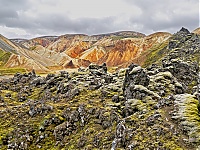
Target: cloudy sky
{"x":31,"y":18}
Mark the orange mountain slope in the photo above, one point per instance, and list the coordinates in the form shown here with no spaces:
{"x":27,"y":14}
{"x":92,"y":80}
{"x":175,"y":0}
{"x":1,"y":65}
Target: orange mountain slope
{"x":77,"y":50}
{"x":130,"y":49}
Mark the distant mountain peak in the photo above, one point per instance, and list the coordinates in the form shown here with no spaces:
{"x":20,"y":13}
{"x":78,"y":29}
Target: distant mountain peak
{"x":184,"y":30}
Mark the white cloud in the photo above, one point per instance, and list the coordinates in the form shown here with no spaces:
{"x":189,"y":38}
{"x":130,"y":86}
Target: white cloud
{"x":13,"y":32}
{"x":55,"y":17}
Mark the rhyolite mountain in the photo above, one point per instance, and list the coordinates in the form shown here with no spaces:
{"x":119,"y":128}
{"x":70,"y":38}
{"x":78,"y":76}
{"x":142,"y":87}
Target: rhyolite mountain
{"x":151,"y":101}
{"x":50,"y":53}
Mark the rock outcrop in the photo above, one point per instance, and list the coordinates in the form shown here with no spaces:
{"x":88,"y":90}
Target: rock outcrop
{"x":152,"y":107}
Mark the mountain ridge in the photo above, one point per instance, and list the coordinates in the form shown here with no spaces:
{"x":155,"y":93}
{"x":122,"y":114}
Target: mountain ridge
{"x":117,"y":49}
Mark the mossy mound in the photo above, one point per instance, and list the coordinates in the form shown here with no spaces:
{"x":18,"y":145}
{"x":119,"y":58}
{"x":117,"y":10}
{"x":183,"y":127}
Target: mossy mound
{"x":4,"y":56}
{"x":188,"y":113}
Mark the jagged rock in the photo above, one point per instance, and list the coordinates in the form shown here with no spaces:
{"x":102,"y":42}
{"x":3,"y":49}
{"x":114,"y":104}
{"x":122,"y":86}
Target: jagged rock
{"x":139,"y":92}
{"x":75,"y":92}
{"x":8,"y":95}
{"x":82,"y":141}
{"x":82,"y":115}
{"x":96,"y":141}
{"x":114,"y":117}
{"x":108,"y":79}
{"x":38,"y":108}
{"x":49,"y":76}
{"x":135,"y":75}
{"x":80,"y":69}
{"x":74,"y":116}
{"x":1,"y":99}
{"x":93,"y":66}
{"x":56,"y":120}
{"x":105,"y":124}
{"x":63,"y":88}
{"x":165,"y":102}
{"x":184,"y":72}
{"x":104,"y":67}
{"x":152,"y":119}
{"x":115,"y":98}
{"x":179,"y":88}
{"x":119,"y":136}
{"x":98,"y":70}
{"x":22,"y":97}
{"x":32,"y":111}
{"x":114,"y":144}
{"x":38,"y":81}
{"x":130,"y":108}
{"x":61,"y":130}
{"x":121,"y":130}
{"x":64,"y":74}
{"x":95,"y":84}
{"x":131,"y":146}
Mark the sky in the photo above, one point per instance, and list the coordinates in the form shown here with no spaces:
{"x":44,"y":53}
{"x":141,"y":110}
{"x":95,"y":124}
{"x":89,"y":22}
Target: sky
{"x":33,"y":18}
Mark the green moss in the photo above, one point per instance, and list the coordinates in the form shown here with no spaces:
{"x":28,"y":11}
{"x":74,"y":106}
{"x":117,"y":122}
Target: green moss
{"x":11,"y":71}
{"x":189,"y":115}
{"x":4,"y":56}
{"x":36,"y":94}
{"x":112,"y":69}
{"x":191,"y":85}
{"x":13,"y":101}
{"x":171,"y":145}
{"x":155,"y":53}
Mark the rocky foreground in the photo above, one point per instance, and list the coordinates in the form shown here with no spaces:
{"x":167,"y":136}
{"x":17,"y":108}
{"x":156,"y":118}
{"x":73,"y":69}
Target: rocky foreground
{"x":155,"y":107}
